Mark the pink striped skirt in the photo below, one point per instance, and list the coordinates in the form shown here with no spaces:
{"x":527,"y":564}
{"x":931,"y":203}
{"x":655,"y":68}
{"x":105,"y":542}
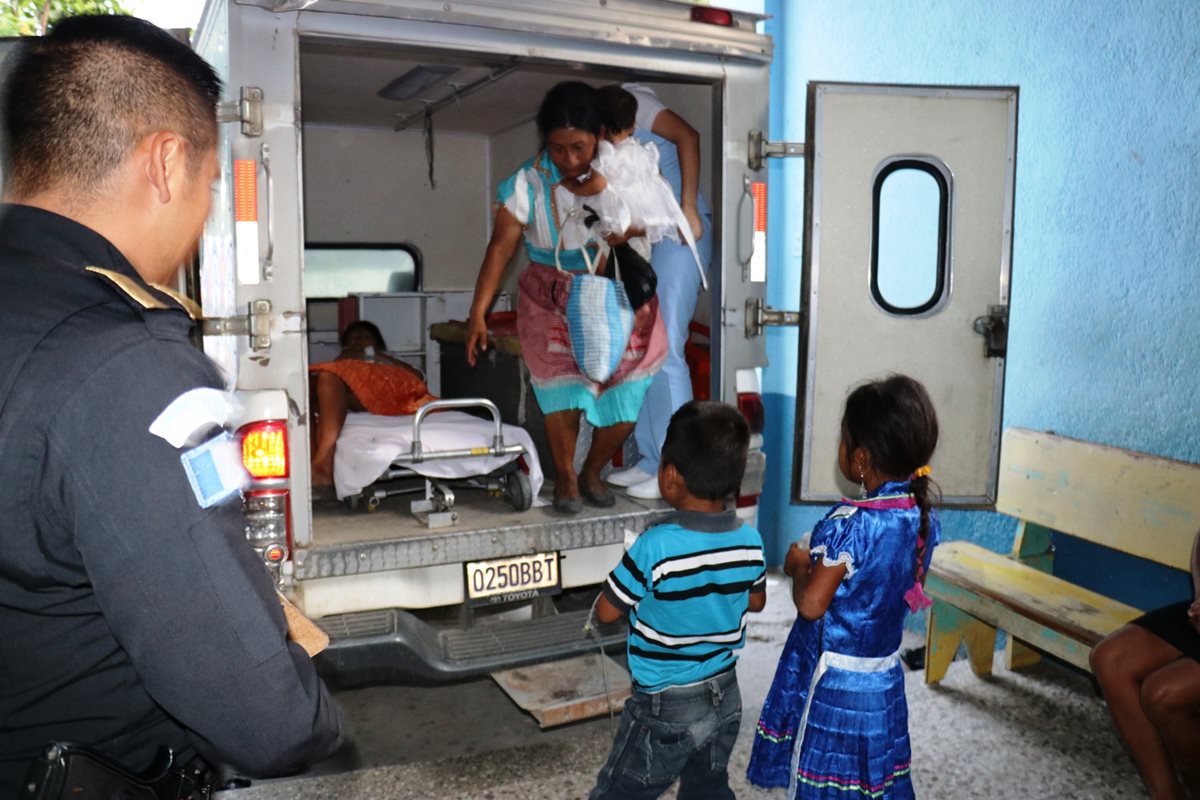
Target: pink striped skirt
{"x":557,"y":381}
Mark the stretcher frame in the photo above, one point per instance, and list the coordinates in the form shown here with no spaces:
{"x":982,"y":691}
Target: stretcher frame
{"x":436,"y":508}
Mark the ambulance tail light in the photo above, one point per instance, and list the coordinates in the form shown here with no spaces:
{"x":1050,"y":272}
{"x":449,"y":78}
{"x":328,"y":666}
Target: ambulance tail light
{"x":264,"y":450}
{"x":751,"y":406}
{"x":713,"y":16}
{"x":266,"y":502}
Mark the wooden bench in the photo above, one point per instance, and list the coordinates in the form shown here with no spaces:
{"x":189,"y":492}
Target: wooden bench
{"x":1131,"y":502}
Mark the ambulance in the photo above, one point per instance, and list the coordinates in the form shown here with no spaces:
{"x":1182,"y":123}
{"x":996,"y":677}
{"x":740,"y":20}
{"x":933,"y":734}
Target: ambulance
{"x":361,"y":143}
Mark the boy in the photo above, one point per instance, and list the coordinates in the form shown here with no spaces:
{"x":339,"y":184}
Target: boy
{"x":686,"y":584}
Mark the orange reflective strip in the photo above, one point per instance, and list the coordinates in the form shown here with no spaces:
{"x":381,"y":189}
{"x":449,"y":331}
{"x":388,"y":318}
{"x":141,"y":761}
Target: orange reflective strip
{"x":245,"y":190}
{"x":760,"y":206}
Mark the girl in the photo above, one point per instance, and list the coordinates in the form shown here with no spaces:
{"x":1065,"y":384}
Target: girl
{"x":625,"y":189}
{"x":835,"y":721}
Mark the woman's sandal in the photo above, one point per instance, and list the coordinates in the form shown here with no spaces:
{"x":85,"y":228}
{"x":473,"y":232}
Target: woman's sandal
{"x":568,"y":505}
{"x":600,"y":499}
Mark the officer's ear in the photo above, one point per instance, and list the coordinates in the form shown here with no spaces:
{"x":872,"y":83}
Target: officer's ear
{"x":165,"y":162}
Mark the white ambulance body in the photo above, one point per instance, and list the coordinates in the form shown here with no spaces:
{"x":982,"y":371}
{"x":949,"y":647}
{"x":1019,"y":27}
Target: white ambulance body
{"x":384,"y":126}
{"x":321,"y":168}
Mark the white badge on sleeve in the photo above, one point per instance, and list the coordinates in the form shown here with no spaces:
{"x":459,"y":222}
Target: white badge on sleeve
{"x":193,"y":414}
{"x":214,"y":469}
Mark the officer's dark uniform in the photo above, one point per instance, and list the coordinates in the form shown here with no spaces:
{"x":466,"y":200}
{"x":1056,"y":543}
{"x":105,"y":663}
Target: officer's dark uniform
{"x":130,"y":617}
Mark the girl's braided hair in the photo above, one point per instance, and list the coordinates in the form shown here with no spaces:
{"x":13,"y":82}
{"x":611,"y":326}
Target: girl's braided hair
{"x":895,"y":422}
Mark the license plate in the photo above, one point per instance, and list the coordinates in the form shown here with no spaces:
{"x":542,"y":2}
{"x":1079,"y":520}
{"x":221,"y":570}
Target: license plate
{"x":504,"y":580}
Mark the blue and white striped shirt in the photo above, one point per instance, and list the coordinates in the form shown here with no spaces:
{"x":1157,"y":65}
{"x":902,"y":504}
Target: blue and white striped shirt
{"x":686,"y":584}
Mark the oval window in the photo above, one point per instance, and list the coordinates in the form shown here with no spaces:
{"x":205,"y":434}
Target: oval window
{"x":909,"y":256}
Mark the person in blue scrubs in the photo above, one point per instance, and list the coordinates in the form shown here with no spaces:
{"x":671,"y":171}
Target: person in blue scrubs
{"x":678,"y":279}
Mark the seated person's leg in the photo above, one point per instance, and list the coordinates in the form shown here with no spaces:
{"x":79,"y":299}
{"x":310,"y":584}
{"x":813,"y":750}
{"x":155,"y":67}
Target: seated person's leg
{"x":1171,"y":700}
{"x":1122,"y":663}
{"x":333,"y":402}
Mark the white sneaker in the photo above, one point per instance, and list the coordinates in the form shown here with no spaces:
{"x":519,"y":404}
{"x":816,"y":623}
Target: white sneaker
{"x":628,"y":477}
{"x":646,"y":490}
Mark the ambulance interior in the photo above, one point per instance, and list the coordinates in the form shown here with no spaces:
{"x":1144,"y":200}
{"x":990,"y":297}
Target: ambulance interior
{"x":402,"y":151}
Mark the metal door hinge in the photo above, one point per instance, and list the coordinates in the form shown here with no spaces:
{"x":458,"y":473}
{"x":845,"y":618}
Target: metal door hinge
{"x":759,"y":315}
{"x":248,"y":111}
{"x":760,"y":149}
{"x":256,"y":324}
{"x":994,"y":329}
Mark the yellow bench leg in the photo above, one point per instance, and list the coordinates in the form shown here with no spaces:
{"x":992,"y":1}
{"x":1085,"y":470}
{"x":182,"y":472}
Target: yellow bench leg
{"x":1017,"y":655}
{"x":947,"y":627}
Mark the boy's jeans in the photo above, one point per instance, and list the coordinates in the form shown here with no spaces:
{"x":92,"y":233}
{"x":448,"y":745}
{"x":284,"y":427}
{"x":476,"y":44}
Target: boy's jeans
{"x":684,"y":732}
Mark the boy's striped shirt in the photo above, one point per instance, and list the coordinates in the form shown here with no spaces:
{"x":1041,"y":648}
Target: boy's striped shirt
{"x":685,"y":584}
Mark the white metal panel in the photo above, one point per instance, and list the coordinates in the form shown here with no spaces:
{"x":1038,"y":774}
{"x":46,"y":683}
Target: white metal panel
{"x":656,"y":24}
{"x":743,"y":108}
{"x":853,"y":130}
{"x":740,"y":91}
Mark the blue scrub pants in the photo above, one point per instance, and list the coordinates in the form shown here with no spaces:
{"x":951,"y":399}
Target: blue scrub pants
{"x":678,"y":286}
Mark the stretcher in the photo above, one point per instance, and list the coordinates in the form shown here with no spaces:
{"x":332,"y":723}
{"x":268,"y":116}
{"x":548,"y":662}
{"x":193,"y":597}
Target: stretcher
{"x":434,"y":452}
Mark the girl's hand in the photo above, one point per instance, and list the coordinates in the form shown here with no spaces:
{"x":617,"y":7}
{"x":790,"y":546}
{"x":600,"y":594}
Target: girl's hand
{"x":797,"y":557}
{"x":693,"y":218}
{"x":641,"y":317}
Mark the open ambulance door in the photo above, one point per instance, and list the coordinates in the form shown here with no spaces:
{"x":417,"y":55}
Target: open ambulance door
{"x":908,"y":241}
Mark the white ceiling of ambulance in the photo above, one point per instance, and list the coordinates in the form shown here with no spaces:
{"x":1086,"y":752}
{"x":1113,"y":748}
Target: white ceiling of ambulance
{"x":340,"y":85}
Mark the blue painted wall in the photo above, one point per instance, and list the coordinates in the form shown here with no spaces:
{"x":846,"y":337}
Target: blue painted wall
{"x":1106,"y":250}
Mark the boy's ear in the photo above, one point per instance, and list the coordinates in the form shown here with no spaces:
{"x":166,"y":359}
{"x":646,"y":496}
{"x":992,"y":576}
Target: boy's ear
{"x":671,"y":478}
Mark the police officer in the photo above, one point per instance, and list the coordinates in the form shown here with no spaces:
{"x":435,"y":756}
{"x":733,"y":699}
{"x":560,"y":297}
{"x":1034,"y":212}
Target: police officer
{"x":133,"y":613}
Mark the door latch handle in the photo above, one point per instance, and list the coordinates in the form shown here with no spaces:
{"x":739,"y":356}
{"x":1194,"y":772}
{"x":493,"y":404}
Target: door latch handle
{"x":993,"y":327}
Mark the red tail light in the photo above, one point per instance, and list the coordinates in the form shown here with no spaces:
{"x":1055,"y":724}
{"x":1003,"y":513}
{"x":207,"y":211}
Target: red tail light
{"x":266,"y":504}
{"x":264,"y":449}
{"x":713,"y":16}
{"x":747,"y":500}
{"x":751,"y":406}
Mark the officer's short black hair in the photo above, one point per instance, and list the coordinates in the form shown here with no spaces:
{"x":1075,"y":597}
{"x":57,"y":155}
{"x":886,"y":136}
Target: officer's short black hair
{"x":707,"y":443}
{"x":78,"y":100}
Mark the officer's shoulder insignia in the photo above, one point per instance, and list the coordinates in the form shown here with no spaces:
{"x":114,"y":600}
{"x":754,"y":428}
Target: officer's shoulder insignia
{"x":130,"y":288}
{"x":843,"y":511}
{"x":188,"y":304}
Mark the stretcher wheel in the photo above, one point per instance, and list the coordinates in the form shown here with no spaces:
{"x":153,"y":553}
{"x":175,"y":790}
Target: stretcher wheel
{"x":517,"y":492}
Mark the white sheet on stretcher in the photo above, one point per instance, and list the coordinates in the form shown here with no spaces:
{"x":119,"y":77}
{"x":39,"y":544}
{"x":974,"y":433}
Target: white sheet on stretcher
{"x":369,"y":443}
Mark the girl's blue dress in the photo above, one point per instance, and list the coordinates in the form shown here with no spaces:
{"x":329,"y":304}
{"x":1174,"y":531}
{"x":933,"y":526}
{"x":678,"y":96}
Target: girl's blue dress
{"x":835,"y":721}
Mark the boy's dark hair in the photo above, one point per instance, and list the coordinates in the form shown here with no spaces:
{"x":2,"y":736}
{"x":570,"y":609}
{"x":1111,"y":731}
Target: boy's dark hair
{"x":570,"y":104}
{"x":618,"y":108}
{"x":894,"y":420}
{"x":363,"y":325}
{"x":707,"y":443}
{"x":78,"y":100}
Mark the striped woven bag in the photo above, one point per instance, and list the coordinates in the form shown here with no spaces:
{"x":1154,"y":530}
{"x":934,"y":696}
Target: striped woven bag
{"x":599,"y":318}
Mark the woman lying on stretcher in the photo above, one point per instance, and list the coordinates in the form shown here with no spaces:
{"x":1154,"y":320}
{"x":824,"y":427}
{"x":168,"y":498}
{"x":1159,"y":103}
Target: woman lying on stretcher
{"x":362,"y":378}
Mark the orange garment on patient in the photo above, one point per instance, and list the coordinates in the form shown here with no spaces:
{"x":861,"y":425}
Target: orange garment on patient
{"x":382,"y":388}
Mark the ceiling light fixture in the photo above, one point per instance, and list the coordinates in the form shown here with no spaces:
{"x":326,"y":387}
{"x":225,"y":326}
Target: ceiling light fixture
{"x":415,"y":80}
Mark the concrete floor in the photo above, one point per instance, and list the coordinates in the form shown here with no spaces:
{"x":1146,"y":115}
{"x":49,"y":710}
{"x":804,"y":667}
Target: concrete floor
{"x":1042,"y":733}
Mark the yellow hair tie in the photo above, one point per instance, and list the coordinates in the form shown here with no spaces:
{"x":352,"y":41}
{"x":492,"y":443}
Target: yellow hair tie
{"x":921,"y":472}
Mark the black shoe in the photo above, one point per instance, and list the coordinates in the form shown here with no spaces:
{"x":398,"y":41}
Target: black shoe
{"x":568,"y":505}
{"x":601,"y":499}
